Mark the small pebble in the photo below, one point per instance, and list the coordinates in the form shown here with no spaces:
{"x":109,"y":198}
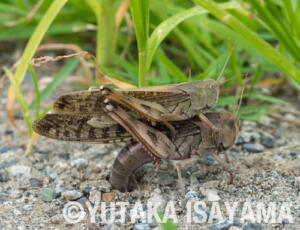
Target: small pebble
{"x":235,"y":228}
{"x":191,"y":194}
{"x":212,"y":195}
{"x":194,"y":180}
{"x":277,"y":157}
{"x":105,"y":186}
{"x":6,"y":164}
{"x":108,"y":196}
{"x":80,"y":163}
{"x":252,"y":226}
{"x":16,"y":194}
{"x":294,"y":153}
{"x":65,"y":156}
{"x":267,"y":141}
{"x":34,"y":182}
{"x":48,"y":194}
{"x":240,"y":140}
{"x":253,"y":148}
{"x":58,"y":192}
{"x":71,"y":195}
{"x":60,"y":167}
{"x":27,"y":207}
{"x":39,"y":166}
{"x":225,"y":225}
{"x":4,"y":175}
{"x":297,"y":182}
{"x":280,"y":142}
{"x":99,"y":152}
{"x":4,"y":149}
{"x":52,"y":174}
{"x":141,"y":226}
{"x":234,"y":153}
{"x":17,"y":212}
{"x":208,"y":159}
{"x":8,"y":132}
{"x":220,"y":226}
{"x":250,"y":136}
{"x":86,"y":190}
{"x":57,"y":219}
{"x":20,"y":170}
{"x":265,"y":120}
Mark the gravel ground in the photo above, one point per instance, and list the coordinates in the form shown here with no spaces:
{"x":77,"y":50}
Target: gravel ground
{"x":35,"y":189}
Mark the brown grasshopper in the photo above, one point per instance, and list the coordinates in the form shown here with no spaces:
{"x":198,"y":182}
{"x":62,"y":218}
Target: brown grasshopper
{"x":156,"y":104}
{"x":159,"y":146}
{"x":191,"y":141}
{"x":193,"y":138}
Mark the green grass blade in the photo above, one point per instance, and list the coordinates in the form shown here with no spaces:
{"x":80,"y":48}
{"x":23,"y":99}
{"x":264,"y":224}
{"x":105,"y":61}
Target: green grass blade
{"x":270,"y":99}
{"x":278,"y":28}
{"x":58,"y":79}
{"x":37,"y":92}
{"x":253,"y":38}
{"x":255,"y":79}
{"x":168,"y":225}
{"x":256,"y":116}
{"x":126,"y":65}
{"x":45,"y":111}
{"x":163,"y":29}
{"x":171,"y":68}
{"x":21,"y":101}
{"x":95,"y":7}
{"x":140,"y":15}
{"x":229,"y":100}
{"x":105,"y":12}
{"x":191,"y":46}
{"x":36,"y":38}
{"x":25,"y":31}
{"x":202,"y":39}
{"x":10,"y":9}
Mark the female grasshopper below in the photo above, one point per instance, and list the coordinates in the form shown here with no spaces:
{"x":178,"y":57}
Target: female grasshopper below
{"x":191,"y":141}
{"x":159,"y":146}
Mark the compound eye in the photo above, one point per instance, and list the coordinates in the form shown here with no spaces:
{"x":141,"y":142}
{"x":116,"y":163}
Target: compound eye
{"x":213,"y":86}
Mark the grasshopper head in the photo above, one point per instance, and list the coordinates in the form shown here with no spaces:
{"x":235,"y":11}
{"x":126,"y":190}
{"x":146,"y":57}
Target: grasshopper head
{"x":204,"y":94}
{"x":229,"y":128}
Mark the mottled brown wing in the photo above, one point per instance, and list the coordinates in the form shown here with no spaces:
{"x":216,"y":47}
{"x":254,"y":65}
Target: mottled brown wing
{"x":75,"y":128}
{"x":87,"y":102}
{"x":80,"y":102}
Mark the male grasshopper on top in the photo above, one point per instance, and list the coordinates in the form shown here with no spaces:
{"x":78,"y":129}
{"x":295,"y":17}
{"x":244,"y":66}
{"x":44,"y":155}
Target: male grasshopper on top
{"x":156,"y":104}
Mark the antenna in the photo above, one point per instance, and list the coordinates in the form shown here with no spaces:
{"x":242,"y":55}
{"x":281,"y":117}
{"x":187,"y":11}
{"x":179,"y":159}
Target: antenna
{"x":226,"y":62}
{"x":235,"y":77}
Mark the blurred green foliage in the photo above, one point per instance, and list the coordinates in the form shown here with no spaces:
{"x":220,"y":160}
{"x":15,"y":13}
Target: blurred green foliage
{"x":161,"y":40}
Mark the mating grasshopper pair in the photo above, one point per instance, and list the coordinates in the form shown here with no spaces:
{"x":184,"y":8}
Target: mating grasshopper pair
{"x":103,"y":115}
